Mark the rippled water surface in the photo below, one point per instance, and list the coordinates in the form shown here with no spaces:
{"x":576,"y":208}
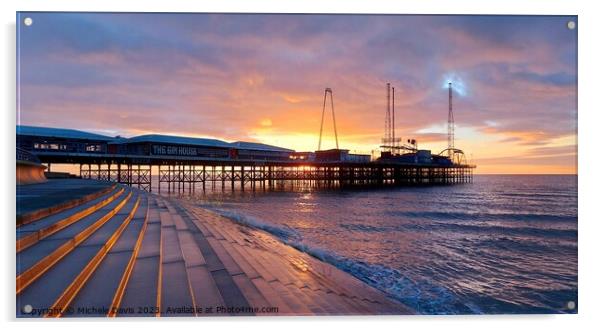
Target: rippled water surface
{"x":504,"y":244}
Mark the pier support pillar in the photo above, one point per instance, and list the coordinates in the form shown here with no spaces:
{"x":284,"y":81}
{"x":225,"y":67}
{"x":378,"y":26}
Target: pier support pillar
{"x":242,"y":178}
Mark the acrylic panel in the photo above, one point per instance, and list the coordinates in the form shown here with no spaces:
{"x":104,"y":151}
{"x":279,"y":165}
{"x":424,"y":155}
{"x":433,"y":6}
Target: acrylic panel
{"x":199,"y":164}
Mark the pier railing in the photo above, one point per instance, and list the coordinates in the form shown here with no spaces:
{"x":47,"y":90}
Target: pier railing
{"x":24,"y":155}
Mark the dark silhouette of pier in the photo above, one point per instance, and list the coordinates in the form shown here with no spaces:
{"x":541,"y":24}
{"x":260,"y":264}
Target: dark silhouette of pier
{"x":183,"y":163}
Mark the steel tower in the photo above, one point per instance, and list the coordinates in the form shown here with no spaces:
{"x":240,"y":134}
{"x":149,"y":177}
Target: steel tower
{"x":450,"y":126}
{"x":326,"y":92}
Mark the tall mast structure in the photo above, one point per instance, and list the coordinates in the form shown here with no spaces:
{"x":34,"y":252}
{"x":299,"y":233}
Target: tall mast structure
{"x":450,"y":125}
{"x":388,"y":134}
{"x":393,"y":142}
{"x":389,"y":141}
{"x":334,"y":122}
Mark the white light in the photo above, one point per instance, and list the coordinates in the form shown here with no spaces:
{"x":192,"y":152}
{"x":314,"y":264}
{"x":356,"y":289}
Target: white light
{"x":28,"y":21}
{"x":457,"y":84}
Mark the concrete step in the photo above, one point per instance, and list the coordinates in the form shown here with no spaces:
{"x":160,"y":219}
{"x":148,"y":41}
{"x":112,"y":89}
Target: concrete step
{"x":262,"y":292}
{"x":56,"y":200}
{"x":295,"y":285}
{"x":272,"y":296}
{"x":141,"y":293}
{"x":266,"y":267}
{"x":229,"y":291}
{"x":344,"y":283}
{"x":233,"y":296}
{"x":192,"y":254}
{"x":300,"y":288}
{"x":281,"y":268}
{"x":218,"y":231}
{"x":227,"y":228}
{"x":240,"y":259}
{"x":332,"y":284}
{"x":104,"y":239}
{"x":344,"y":307}
{"x":45,"y":246}
{"x":205,"y":291}
{"x":231,"y":266}
{"x":73,"y":212}
{"x":297,"y":305}
{"x":254,"y":297}
{"x":298,"y":265}
{"x":247,"y":260}
{"x":314,"y":301}
{"x":286,"y":275}
{"x":305,"y":299}
{"x":332,"y":302}
{"x":201,"y":273}
{"x":332,"y":279}
{"x":212,"y":230}
{"x":201,"y":227}
{"x":106,"y":284}
{"x":176,"y":295}
{"x":37,"y":259}
{"x":57,"y":285}
{"x":253,"y":263}
{"x":206,"y":217}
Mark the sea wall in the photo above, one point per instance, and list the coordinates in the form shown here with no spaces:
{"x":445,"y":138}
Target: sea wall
{"x":29,"y":172}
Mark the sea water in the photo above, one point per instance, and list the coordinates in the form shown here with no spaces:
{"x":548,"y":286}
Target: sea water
{"x":502,"y":244}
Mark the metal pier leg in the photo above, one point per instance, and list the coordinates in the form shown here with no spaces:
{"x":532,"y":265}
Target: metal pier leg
{"x":231,"y":176}
{"x":204,"y":177}
{"x":242,"y":178}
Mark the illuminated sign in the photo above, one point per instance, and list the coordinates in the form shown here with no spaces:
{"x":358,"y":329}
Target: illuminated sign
{"x":174,"y":150}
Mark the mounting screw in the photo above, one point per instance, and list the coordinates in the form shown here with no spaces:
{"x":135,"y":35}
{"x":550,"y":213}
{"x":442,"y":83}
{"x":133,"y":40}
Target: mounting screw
{"x":571,"y":25}
{"x":27,"y":309}
{"x":570,"y":305}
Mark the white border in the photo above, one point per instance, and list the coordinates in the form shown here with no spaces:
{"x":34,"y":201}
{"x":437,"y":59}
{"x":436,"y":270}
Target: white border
{"x":590,"y":126}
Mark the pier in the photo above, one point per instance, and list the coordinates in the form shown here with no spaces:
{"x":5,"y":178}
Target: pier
{"x":189,"y":164}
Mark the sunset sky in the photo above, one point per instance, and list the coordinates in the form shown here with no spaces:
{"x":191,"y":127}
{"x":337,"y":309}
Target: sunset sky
{"x":262,"y":78}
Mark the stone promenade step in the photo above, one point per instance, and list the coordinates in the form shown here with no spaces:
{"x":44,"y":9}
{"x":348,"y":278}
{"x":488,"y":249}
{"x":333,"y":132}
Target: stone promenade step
{"x":106,"y":284}
{"x":54,"y":286}
{"x":37,"y":201}
{"x":31,"y":233}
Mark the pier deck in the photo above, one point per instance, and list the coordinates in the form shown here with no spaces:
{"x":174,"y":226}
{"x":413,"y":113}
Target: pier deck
{"x":138,"y":254}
